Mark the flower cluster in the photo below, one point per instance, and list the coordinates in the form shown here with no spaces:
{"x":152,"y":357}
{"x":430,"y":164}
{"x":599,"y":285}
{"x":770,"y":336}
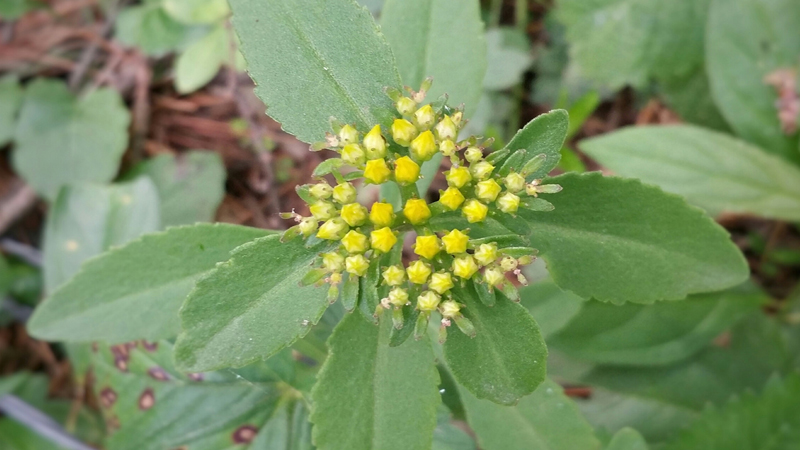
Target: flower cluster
{"x":445,"y":259}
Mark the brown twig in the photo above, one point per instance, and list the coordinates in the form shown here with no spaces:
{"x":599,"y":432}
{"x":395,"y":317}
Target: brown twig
{"x":18,"y":201}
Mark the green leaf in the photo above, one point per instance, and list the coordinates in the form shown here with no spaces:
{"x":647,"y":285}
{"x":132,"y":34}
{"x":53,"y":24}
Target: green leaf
{"x":135,"y":291}
{"x":10,"y":100}
{"x":14,"y":9}
{"x":152,"y":30}
{"x":56,"y":130}
{"x":251,"y":306}
{"x":544,"y":420}
{"x":373,"y":396}
{"x":550,"y":306}
{"x":197,"y":11}
{"x":509,"y":57}
{"x":747,"y":41}
{"x":618,"y":240}
{"x":627,"y":439}
{"x":770,"y":420}
{"x":86,"y":220}
{"x":658,"y":334}
{"x":448,"y":436}
{"x":508,"y":357}
{"x":690,"y":97}
{"x":344,"y":61}
{"x":712,"y":170}
{"x":201,"y":60}
{"x":440,"y":39}
{"x":543,"y":135}
{"x":190,"y":186}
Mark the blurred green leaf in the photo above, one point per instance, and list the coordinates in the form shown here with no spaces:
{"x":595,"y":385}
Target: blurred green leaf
{"x":197,"y":11}
{"x":543,"y":135}
{"x":508,"y":55}
{"x":62,"y":139}
{"x":627,"y":439}
{"x":14,"y":9}
{"x":151,"y":29}
{"x":690,"y":97}
{"x":201,"y":60}
{"x":551,"y":307}
{"x":10,"y":100}
{"x":448,"y":436}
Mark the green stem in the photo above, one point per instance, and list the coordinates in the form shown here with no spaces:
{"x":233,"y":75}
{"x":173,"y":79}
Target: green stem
{"x":521,"y":14}
{"x":495,"y":9}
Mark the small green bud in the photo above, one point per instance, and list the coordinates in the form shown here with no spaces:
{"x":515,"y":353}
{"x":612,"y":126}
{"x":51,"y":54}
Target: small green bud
{"x":424,"y":118}
{"x":353,"y":154}
{"x":323,"y":210}
{"x":348,"y":135}
{"x":508,"y":263}
{"x":448,"y":147}
{"x":514,"y":182}
{"x":428,"y":301}
{"x":308,"y":226}
{"x":321,"y":191}
{"x":403,"y":132}
{"x":375,"y":144}
{"x":446,"y":129}
{"x":473,"y":154}
{"x":344,"y":193}
{"x":333,"y":262}
{"x":406,"y":106}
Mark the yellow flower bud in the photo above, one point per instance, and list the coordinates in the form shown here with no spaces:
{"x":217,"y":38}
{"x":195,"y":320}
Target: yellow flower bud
{"x":321,"y":191}
{"x":455,"y":242}
{"x":428,"y":301}
{"x":418,"y":272}
{"x":474,"y":211}
{"x":451,"y":198}
{"x":508,"y":263}
{"x":486,"y":254}
{"x":375,"y":144}
{"x":383,"y":239}
{"x":481,"y":170}
{"x":377,"y":172}
{"x":424,"y":146}
{"x":494,"y":275}
{"x":322,"y":210}
{"x":514,"y":182}
{"x":335,"y":278}
{"x":508,"y":203}
{"x":458,"y":177}
{"x":448,"y":147}
{"x":354,"y":214}
{"x":356,"y":265}
{"x":487,"y":190}
{"x":441,"y":282}
{"x":355,"y":242}
{"x":348,"y":135}
{"x":353,"y":154}
{"x":308,"y":226}
{"x":333,"y":262}
{"x":406,"y":106}
{"x":464,"y":266}
{"x":446,"y":129}
{"x":424,"y":118}
{"x":473,"y":154}
{"x":450,"y":309}
{"x":406,"y":171}
{"x":427,"y":246}
{"x":398,"y":297}
{"x":457,"y":117}
{"x":333,"y":229}
{"x":394,"y":275}
{"x":344,"y":193}
{"x":417,"y":211}
{"x":381,"y":214}
{"x":403,"y":132}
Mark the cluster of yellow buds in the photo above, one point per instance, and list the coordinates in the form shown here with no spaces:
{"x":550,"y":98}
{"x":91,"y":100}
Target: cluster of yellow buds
{"x":446,"y":260}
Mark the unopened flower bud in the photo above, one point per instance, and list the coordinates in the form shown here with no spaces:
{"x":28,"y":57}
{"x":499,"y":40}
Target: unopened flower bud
{"x":486,"y":254}
{"x":335,"y":278}
{"x":377,"y":172}
{"x":449,"y":309}
{"x":353,"y":154}
{"x":427,"y":246}
{"x":448,"y":147}
{"x":418,"y":272}
{"x":375,"y":144}
{"x":508,"y":203}
{"x":441,"y":282}
{"x":428,"y":301}
{"x":455,"y":242}
{"x":457,"y":117}
{"x":494,"y":276}
{"x":356,"y":265}
{"x":514,"y":182}
{"x":383,"y":239}
{"x":348,"y":135}
{"x":398,"y":297}
{"x":394,"y":275}
{"x":446,"y":129}
{"x":481,"y":170}
{"x":458,"y":177}
{"x":424,"y":146}
{"x":354,"y":214}
{"x":355,"y":242}
{"x":508,"y":263}
{"x":308,"y":226}
{"x":403,"y":132}
{"x":323,"y":210}
{"x":344,"y":193}
{"x":451,"y":198}
{"x":406,"y":171}
{"x":321,"y":191}
{"x":333,"y":229}
{"x":417,"y":211}
{"x":381,"y":214}
{"x":487,"y":190}
{"x":424,"y":118}
{"x":474,"y":211}
{"x":464,"y":266}
{"x":406,"y":106}
{"x":473,"y":154}
{"x":333,"y":262}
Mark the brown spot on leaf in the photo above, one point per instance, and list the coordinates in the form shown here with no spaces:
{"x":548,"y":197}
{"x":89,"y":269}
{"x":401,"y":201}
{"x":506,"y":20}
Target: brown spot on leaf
{"x":157,"y":373}
{"x":107,"y":397}
{"x":149,"y":346}
{"x":112,"y":423}
{"x":147,"y":399}
{"x":195,"y":376}
{"x":121,"y":364}
{"x":244,"y":434}
{"x":94,"y":347}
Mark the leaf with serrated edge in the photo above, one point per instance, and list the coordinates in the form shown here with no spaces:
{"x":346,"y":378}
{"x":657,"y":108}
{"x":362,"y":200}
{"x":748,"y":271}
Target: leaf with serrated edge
{"x":543,"y":135}
{"x":712,"y":170}
{"x":250,"y":306}
{"x":507,"y":358}
{"x":135,"y":291}
{"x":372,"y":396}
{"x":312,"y":60}
{"x":619,"y":240}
